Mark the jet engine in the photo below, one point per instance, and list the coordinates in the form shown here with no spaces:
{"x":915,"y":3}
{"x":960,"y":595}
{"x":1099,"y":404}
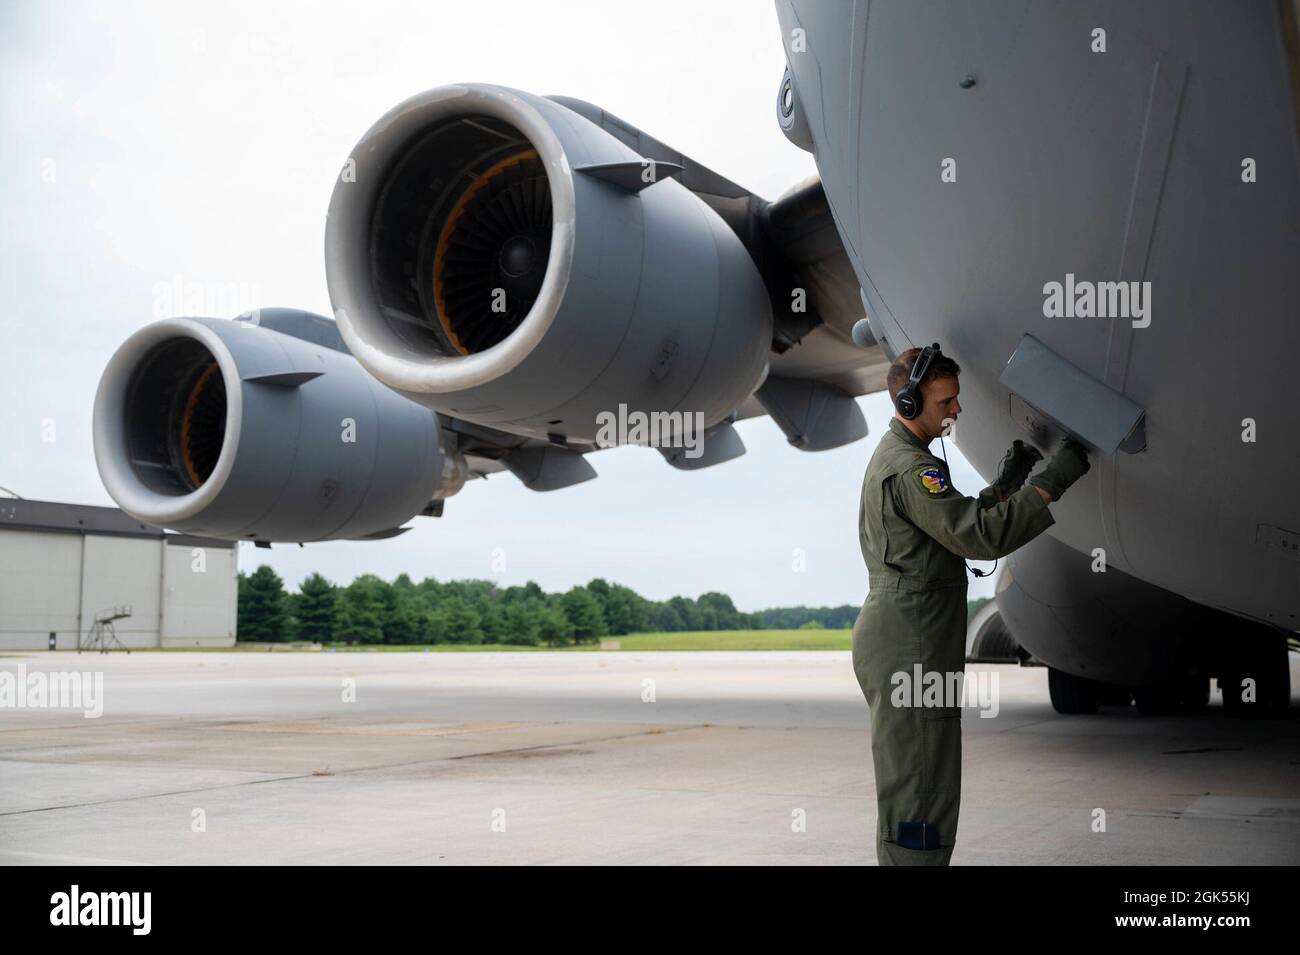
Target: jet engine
{"x":498,"y":257}
{"x":236,"y":430}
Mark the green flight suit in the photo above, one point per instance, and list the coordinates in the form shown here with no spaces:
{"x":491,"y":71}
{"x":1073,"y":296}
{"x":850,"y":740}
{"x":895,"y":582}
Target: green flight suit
{"x":916,"y":530}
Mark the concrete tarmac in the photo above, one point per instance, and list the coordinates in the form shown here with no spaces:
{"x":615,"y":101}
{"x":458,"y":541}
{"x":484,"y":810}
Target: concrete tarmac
{"x":600,"y":757}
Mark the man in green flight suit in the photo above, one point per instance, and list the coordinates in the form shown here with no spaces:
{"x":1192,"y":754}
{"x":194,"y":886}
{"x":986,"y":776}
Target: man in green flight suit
{"x":916,"y":531}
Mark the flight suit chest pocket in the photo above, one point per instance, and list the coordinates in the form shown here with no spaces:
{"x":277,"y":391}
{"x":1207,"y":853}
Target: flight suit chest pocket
{"x":900,"y":538}
{"x":883,"y":524}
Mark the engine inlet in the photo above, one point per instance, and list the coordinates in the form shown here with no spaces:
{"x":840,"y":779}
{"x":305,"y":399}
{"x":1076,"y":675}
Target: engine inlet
{"x":176,"y":417}
{"x":491,"y":255}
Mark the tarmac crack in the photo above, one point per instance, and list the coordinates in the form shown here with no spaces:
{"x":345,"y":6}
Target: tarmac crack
{"x":175,"y":792}
{"x":576,"y":742}
{"x":350,"y":772}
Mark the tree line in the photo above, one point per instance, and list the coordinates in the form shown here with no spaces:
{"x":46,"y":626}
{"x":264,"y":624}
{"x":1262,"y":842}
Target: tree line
{"x":371,"y":610}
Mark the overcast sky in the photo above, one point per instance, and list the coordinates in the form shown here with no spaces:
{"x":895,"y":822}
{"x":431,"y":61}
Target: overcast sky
{"x":149,"y":144}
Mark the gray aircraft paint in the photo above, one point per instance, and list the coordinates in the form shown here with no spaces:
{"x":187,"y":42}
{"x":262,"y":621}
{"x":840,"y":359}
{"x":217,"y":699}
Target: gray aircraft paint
{"x":1115,"y":166}
{"x":285,"y":471}
{"x":649,"y":300}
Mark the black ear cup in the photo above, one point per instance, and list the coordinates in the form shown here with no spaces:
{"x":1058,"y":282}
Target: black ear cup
{"x":909,"y":400}
{"x":908,"y":405}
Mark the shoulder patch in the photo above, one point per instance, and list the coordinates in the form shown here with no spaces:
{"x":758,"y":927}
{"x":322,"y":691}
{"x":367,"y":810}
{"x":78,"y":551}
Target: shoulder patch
{"x":931,"y":479}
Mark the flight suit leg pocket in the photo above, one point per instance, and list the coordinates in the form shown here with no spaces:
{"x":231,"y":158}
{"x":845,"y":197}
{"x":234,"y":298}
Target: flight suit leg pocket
{"x":891,"y":853}
{"x":941,"y":784}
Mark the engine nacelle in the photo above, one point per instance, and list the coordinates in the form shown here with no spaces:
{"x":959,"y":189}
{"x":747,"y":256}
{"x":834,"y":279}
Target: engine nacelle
{"x":234,"y":430}
{"x":495,"y":256}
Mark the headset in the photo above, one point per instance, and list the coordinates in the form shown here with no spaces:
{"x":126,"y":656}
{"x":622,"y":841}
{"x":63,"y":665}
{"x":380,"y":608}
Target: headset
{"x":909,"y":400}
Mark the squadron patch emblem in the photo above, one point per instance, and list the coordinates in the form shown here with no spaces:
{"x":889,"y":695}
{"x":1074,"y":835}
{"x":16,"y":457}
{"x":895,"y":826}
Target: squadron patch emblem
{"x":933,"y":479}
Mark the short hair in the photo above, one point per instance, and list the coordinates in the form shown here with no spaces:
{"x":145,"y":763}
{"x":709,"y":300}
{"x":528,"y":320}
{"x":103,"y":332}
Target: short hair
{"x":941,"y":366}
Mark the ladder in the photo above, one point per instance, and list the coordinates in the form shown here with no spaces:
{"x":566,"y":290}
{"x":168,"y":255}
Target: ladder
{"x":102,"y":636}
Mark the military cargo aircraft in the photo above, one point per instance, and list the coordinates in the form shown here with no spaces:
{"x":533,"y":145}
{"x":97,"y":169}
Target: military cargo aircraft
{"x":1094,"y":207}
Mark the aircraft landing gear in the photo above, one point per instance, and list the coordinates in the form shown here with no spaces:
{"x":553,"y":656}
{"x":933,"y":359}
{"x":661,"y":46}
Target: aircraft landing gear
{"x":1077,"y":695}
{"x":1073,"y":695}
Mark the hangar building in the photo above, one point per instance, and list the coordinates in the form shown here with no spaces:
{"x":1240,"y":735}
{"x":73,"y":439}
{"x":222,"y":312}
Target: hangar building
{"x":62,"y":565}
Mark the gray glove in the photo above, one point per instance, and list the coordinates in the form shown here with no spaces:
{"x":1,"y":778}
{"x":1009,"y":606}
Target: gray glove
{"x":1015,"y":467}
{"x":1068,"y":464}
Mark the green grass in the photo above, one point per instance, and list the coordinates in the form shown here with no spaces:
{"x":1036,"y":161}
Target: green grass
{"x":357,"y":648}
{"x":440,"y":648}
{"x":689,"y":640}
{"x":692,"y":640}
{"x":739,"y":640}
